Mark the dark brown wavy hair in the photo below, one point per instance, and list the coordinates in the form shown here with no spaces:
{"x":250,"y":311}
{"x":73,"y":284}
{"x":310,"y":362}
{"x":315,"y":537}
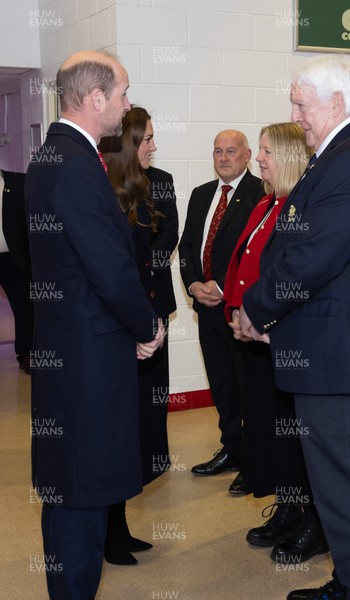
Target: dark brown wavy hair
{"x":126,"y":175}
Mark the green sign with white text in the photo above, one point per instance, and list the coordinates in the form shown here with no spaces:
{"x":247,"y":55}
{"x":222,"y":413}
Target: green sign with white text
{"x":322,"y":25}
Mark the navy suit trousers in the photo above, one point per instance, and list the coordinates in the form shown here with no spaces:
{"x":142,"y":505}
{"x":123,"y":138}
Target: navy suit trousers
{"x":74,"y":542}
{"x":327,"y":456}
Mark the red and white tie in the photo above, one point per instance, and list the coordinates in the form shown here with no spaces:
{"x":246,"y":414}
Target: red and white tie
{"x":214,"y":225}
{"x":100,"y":155}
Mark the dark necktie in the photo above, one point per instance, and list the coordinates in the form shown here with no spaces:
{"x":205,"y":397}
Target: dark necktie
{"x":100,"y":155}
{"x":309,"y":166}
{"x":311,"y":163}
{"x":214,"y":225}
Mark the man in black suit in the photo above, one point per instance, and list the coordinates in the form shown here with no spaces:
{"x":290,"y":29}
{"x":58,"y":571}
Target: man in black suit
{"x":15,"y":262}
{"x":85,"y":424}
{"x":221,"y":354}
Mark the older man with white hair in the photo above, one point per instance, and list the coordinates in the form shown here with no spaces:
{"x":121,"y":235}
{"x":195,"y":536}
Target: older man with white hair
{"x":310,"y":332}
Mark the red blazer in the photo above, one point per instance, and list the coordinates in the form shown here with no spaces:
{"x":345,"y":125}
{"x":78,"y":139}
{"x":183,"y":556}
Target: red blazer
{"x":241,"y":274}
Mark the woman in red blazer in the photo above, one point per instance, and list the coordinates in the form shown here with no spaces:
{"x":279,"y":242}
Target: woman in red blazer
{"x":272,"y":461}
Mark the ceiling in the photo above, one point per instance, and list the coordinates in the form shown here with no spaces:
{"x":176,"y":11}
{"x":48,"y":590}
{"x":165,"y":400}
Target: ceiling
{"x":10,"y":79}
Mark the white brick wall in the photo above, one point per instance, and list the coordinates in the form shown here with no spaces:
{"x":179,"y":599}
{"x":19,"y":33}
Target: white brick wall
{"x":198,"y":66}
{"x":201,"y":66}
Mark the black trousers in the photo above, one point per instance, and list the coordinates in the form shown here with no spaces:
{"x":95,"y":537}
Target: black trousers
{"x":153,"y":374}
{"x":272,"y":457}
{"x":74,"y":540}
{"x":17,"y":289}
{"x":223,"y":360}
{"x":327,"y":456}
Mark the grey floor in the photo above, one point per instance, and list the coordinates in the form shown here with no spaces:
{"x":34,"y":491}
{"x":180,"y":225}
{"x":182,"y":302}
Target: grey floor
{"x":197,"y":529}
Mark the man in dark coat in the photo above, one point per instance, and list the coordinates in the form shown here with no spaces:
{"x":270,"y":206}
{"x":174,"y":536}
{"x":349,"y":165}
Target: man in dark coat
{"x":15,"y":262}
{"x":303,"y":300}
{"x":85,"y":450}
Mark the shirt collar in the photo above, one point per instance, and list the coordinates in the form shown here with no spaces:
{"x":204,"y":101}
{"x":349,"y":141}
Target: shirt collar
{"x":234,"y":183}
{"x":85,"y":133}
{"x":332,"y":135}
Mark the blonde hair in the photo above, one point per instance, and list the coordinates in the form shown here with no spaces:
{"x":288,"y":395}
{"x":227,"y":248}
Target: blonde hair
{"x":291,"y":153}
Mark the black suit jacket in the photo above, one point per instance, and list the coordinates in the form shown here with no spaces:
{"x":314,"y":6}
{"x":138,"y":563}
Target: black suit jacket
{"x":14,"y":221}
{"x":244,"y":199}
{"x":154,"y":257}
{"x":303,"y":294}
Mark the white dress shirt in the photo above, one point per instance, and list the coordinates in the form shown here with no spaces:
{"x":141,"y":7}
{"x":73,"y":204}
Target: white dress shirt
{"x":85,"y":133}
{"x":215,"y":202}
{"x":332,"y":135}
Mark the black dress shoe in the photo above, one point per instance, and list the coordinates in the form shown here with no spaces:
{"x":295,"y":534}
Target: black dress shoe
{"x":307,"y":541}
{"x":120,"y":558}
{"x":119,"y":555}
{"x":136,"y":545}
{"x":284,"y":522}
{"x":326,"y":592}
{"x":219,"y":463}
{"x":238,"y":486}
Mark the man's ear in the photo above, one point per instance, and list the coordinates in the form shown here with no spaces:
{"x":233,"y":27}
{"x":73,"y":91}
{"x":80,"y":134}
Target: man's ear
{"x":98,"y":99}
{"x":338,"y":103}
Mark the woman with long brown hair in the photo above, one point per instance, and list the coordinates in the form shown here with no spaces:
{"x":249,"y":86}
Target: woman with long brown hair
{"x":147,"y":197}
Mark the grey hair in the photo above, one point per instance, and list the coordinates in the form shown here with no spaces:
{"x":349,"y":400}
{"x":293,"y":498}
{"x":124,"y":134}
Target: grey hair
{"x":328,"y":74}
{"x":79,"y":79}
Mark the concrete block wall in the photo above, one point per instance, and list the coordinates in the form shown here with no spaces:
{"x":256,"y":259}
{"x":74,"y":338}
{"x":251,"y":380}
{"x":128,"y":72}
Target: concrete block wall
{"x":200,"y":66}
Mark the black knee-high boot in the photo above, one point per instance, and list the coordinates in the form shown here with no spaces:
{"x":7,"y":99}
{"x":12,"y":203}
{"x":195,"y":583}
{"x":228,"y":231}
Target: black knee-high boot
{"x":119,"y":541}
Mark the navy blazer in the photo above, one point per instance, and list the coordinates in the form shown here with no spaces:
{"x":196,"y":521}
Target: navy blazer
{"x":303,"y":294}
{"x":154,"y":250}
{"x":85,"y":443}
{"x":244,"y":199}
{"x":14,"y":220}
